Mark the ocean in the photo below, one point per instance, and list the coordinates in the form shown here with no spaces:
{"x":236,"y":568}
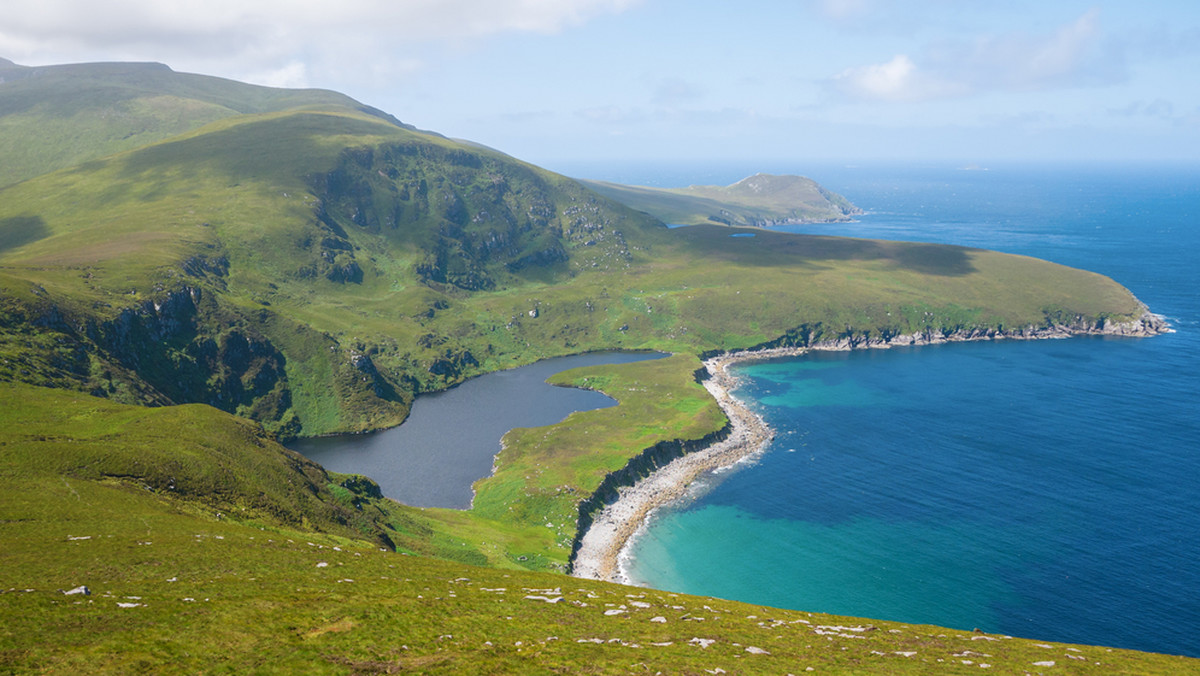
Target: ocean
{"x":1044,"y":489}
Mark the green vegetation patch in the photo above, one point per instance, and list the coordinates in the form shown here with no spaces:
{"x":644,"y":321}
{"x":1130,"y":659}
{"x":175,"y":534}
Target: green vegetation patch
{"x":310,"y":264}
{"x":54,"y":117}
{"x":102,"y":571}
{"x":759,"y":200}
{"x":543,"y":474}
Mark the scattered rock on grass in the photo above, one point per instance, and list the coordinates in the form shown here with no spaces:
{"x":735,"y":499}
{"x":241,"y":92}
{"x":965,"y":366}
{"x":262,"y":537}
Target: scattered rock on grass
{"x":756,"y":651}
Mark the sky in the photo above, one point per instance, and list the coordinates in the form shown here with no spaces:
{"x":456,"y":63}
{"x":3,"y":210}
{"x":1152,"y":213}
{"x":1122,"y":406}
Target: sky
{"x":554,"y":81}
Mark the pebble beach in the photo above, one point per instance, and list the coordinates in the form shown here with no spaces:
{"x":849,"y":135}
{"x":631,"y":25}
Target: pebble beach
{"x":612,"y":529}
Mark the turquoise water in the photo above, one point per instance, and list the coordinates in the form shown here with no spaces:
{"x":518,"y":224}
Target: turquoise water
{"x":1047,"y":489}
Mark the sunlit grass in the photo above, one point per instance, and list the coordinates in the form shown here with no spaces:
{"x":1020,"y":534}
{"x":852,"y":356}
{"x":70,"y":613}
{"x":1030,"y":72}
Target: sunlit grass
{"x":183,"y":580}
{"x":242,"y":204}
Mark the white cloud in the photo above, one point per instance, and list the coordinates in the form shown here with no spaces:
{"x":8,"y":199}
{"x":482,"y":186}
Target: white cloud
{"x":1160,"y":108}
{"x":1072,"y":56}
{"x":891,"y":81}
{"x":1064,"y":52}
{"x":609,"y":114}
{"x":896,"y":80}
{"x":270,"y":37}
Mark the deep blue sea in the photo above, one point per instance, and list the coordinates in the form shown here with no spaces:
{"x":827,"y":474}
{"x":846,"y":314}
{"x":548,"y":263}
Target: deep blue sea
{"x":1045,"y":489}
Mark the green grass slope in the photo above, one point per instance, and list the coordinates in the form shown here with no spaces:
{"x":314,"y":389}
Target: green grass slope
{"x":297,"y":230}
{"x":206,"y":547}
{"x":314,"y":270}
{"x":758,"y":200}
{"x":53,"y":117}
{"x":300,"y":261}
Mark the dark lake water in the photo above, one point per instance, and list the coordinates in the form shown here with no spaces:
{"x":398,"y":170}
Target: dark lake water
{"x":451,"y":438}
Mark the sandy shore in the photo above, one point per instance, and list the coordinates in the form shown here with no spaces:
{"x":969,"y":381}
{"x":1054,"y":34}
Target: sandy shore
{"x":600,"y":549}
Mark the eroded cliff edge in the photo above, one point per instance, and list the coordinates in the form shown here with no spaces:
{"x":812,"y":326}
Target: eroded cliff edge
{"x":627,"y":497}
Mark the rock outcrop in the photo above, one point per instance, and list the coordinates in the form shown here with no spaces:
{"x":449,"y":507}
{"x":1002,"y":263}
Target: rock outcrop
{"x":822,"y":337}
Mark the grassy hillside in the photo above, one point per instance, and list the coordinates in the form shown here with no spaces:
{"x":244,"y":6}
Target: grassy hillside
{"x":52,"y":117}
{"x":327,"y":240}
{"x":315,"y":269}
{"x":213,"y":461}
{"x":757,"y":200}
{"x":303,"y":262}
{"x":205,"y":546}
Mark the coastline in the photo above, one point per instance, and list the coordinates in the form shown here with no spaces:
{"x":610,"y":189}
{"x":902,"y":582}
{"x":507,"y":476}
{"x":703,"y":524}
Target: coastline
{"x":601,"y":547}
{"x":604,"y":545}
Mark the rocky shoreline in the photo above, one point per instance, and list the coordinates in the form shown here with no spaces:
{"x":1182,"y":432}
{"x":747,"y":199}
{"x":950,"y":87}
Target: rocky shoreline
{"x":602,"y":547}
{"x":612,"y":528}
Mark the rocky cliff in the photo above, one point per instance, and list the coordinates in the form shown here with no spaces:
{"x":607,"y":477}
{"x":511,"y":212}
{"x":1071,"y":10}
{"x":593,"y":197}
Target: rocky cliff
{"x":819,"y":336}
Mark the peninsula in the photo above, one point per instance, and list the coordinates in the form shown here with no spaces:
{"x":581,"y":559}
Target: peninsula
{"x":603,"y":545}
{"x":193,"y":269}
{"x":759,"y":200}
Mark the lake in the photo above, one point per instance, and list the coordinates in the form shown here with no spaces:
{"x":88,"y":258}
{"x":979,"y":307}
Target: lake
{"x":451,"y":438}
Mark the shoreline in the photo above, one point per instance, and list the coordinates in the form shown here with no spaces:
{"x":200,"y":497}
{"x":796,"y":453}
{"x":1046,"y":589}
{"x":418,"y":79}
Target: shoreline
{"x":613,"y":528}
{"x":603,"y":547}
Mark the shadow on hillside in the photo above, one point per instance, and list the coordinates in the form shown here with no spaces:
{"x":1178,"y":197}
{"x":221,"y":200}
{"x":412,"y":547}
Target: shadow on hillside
{"x":17,"y":231}
{"x":932,"y":259}
{"x":767,"y":248}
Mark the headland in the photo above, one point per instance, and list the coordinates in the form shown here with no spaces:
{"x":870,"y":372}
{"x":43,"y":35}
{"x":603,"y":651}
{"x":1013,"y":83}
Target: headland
{"x":603,"y":546}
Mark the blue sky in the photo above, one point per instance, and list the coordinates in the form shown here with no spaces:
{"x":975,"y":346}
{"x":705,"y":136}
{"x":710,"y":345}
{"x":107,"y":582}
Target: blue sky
{"x":757,"y":80}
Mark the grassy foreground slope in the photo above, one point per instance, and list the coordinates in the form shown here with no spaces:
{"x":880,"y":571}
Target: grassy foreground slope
{"x":205,"y":546}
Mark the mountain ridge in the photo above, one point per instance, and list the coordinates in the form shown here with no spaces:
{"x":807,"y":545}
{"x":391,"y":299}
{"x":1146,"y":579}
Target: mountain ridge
{"x":122,"y":106}
{"x":265,"y":215}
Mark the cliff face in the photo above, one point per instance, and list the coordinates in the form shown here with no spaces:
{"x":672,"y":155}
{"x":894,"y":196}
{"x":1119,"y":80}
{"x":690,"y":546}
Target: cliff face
{"x":179,"y":348}
{"x":818,"y":337}
{"x":476,"y":218}
{"x":822,"y":337}
{"x":185,"y":347}
{"x":639,"y":467}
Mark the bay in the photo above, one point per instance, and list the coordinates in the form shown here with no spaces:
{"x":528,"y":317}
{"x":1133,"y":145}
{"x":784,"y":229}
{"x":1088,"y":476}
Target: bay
{"x":1046,"y":489}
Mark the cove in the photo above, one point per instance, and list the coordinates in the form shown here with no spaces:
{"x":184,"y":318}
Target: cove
{"x":451,"y":438}
{"x":1045,"y":489}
